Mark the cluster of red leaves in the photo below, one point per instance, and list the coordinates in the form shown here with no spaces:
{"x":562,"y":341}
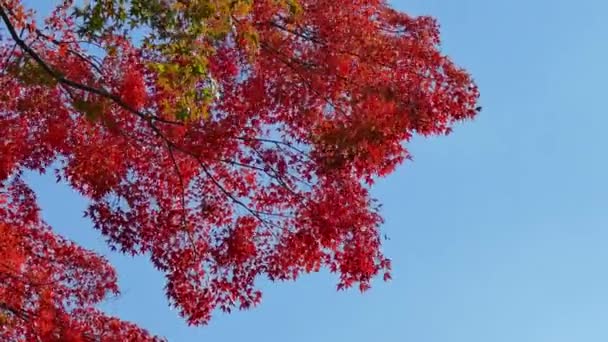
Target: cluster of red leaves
{"x":274,"y":182}
{"x":48,"y":285}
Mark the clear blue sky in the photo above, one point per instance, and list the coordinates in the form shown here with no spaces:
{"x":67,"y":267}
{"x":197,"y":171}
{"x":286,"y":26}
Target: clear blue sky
{"x":499,"y":232}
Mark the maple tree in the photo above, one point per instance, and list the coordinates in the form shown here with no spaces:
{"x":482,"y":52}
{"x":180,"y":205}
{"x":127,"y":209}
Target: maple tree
{"x":235,"y":139}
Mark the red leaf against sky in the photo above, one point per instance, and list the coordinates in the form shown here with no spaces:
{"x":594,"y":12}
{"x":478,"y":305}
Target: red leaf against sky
{"x":273,"y":182}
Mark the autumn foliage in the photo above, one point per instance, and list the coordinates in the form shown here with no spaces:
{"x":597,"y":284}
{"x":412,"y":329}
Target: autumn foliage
{"x":243,"y":148}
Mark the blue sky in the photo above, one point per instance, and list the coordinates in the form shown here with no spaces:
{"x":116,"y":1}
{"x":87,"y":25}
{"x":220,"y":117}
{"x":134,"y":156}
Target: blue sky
{"x":498,"y":232}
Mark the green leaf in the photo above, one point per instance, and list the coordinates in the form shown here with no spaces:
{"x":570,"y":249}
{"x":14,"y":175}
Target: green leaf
{"x":198,"y":69}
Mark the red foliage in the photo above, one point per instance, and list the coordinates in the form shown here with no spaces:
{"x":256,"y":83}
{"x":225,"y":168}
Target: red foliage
{"x":275,"y":182}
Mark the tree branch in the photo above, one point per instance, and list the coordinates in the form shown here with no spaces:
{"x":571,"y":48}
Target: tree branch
{"x":63,"y":80}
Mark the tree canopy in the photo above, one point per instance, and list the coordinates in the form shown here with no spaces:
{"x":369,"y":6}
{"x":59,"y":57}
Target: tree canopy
{"x":226,"y":140}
